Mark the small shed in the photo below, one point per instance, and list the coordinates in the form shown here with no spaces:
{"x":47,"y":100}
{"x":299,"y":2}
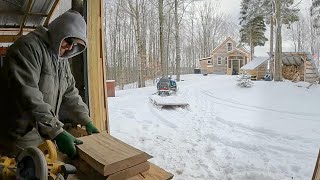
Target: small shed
{"x":257,"y":68}
{"x":206,"y":65}
{"x":298,"y":66}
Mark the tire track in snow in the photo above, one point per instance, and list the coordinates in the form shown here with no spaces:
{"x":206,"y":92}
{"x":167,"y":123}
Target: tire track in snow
{"x":258,"y":135}
{"x":238,"y":105}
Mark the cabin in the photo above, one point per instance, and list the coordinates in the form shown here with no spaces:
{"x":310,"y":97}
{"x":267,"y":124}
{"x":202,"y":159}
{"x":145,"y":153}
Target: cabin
{"x":226,"y":58}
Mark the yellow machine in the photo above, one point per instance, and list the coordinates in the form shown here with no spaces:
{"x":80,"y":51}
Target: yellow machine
{"x":36,"y":163}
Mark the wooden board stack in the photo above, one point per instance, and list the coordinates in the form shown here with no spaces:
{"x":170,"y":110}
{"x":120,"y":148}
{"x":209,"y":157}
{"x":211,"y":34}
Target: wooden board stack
{"x":105,"y":157}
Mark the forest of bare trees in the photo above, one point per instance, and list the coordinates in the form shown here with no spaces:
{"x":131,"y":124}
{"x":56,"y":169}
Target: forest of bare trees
{"x":146,"y":39}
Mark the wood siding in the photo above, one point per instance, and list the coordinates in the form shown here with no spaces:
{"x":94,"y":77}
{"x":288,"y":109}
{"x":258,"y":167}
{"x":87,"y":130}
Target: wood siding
{"x":310,"y":73}
{"x":219,"y":68}
{"x":259,"y":72}
{"x":206,"y":66}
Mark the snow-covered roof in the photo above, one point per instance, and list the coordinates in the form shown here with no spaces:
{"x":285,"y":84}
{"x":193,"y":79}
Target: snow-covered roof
{"x":256,"y":62}
{"x":206,"y":58}
{"x":294,"y":58}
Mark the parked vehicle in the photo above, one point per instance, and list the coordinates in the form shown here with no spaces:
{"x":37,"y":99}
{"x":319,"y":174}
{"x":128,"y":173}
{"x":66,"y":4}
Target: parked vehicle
{"x":166,"y":86}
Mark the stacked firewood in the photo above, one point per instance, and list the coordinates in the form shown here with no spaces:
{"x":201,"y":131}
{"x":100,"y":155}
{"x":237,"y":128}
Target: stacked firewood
{"x":291,"y":72}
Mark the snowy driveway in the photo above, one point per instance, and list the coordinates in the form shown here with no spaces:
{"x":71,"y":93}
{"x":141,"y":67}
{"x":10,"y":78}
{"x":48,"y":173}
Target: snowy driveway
{"x":270,"y":131}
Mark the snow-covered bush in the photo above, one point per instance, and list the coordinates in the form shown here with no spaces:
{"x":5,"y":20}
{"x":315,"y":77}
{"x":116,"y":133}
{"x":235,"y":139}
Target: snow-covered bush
{"x":244,"y":80}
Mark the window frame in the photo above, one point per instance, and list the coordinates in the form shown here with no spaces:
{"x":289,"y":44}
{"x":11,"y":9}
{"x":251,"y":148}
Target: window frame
{"x":219,"y":60}
{"x":230,"y":46}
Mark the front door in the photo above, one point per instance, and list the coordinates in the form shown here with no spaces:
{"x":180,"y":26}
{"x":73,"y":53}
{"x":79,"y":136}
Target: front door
{"x":235,"y":67}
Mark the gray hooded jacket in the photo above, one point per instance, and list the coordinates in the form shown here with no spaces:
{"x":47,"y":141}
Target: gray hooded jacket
{"x":35,"y":81}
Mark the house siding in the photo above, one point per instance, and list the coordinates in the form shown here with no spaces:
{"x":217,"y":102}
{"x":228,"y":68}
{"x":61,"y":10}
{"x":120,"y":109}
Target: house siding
{"x":222,"y":51}
{"x":204,"y":66}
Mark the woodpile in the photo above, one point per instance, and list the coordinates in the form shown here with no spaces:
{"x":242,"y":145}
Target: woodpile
{"x":291,"y":72}
{"x":296,"y":77}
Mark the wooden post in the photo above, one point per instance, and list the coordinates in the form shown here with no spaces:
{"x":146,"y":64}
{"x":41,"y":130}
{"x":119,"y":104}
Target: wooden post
{"x":97,"y":66}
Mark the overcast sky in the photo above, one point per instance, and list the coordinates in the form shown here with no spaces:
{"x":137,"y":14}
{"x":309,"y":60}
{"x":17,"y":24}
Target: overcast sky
{"x":232,"y":7}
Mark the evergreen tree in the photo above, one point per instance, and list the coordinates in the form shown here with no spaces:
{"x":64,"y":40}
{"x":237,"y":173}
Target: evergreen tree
{"x":287,"y":14}
{"x":252,"y":32}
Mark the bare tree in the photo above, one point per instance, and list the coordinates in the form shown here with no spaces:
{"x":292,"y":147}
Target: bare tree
{"x":278,"y":49}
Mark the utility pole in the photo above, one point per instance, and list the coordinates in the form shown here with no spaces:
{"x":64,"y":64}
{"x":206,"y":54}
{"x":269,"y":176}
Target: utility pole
{"x":278,"y":49}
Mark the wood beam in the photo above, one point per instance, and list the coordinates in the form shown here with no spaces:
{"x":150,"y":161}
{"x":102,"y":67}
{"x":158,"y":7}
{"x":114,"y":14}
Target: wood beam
{"x":53,"y":8}
{"x":25,"y":16}
{"x":20,"y":13}
{"x":97,"y":66}
{"x":8,"y":38}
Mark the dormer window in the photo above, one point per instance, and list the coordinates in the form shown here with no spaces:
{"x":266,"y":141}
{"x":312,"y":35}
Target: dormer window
{"x":229,"y":46}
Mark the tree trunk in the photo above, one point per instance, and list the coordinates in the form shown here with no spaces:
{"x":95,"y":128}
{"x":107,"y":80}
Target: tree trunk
{"x":270,"y":68}
{"x":251,"y":45}
{"x":161,"y":23}
{"x":178,"y":50}
{"x":278,"y":49}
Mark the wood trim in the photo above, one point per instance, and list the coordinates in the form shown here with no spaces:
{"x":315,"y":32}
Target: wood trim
{"x":53,"y":8}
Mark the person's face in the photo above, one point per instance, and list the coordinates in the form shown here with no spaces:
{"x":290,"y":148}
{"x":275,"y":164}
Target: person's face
{"x":66,"y":45}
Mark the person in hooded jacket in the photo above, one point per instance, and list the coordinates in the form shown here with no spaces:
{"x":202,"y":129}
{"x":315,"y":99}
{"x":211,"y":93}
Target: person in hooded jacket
{"x":36,"y":81}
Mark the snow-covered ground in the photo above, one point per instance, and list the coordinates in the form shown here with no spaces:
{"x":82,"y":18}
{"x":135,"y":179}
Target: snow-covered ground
{"x":268,"y":131}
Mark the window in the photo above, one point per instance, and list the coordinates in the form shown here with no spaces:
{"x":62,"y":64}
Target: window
{"x":225,"y":60}
{"x":229,"y":46}
{"x":229,"y":66}
{"x":219,"y":61}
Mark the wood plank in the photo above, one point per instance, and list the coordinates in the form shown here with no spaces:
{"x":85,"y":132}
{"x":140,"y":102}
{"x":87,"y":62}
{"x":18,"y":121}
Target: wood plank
{"x":109,"y":155}
{"x":130,"y":172}
{"x":316,"y":172}
{"x":154,"y":173}
{"x":53,"y":8}
{"x":96,"y":67}
{"x":85,"y":171}
{"x":103,"y":56}
{"x":8,"y":38}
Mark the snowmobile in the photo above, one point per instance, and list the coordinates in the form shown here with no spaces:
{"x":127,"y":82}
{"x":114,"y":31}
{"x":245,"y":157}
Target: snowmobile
{"x":163,"y":98}
{"x":166,"y":86}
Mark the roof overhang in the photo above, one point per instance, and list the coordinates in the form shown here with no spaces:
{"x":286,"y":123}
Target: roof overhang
{"x":238,"y":51}
{"x":294,"y":58}
{"x":207,"y":58}
{"x":18,"y":17}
